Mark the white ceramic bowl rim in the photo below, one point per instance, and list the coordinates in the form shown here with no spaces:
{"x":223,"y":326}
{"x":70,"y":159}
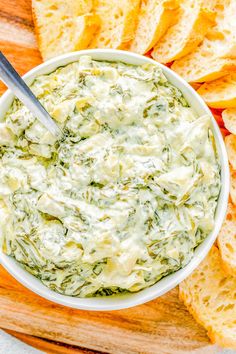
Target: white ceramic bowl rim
{"x":170,"y":281}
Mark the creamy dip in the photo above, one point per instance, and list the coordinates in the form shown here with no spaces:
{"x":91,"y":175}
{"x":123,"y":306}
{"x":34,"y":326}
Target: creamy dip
{"x":127,"y":193}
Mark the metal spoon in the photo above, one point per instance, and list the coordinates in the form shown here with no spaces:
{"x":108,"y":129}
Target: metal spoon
{"x":15,"y":83}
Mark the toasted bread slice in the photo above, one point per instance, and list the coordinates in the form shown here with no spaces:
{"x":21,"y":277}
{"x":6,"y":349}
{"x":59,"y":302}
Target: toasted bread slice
{"x":220,"y":93}
{"x":230,"y":143}
{"x":63,"y":26}
{"x":193,"y":23}
{"x":227,"y":241}
{"x":210,"y":296}
{"x":232,"y":191}
{"x":69,"y":8}
{"x":118,"y":23}
{"x":203,"y":66}
{"x":212,"y":59}
{"x":154,"y":19}
{"x":223,"y":35}
{"x":229,"y":119}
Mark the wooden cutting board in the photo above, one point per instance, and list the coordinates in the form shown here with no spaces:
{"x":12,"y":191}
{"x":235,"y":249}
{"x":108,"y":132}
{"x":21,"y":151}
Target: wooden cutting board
{"x":162,"y":326}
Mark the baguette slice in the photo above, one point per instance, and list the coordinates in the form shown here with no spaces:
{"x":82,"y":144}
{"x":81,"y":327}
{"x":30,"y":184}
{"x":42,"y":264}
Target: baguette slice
{"x":63,"y":26}
{"x":227,"y":241}
{"x":154,"y":19}
{"x":220,"y":93}
{"x":213,"y":58}
{"x":232,"y":191}
{"x":210,"y":297}
{"x":193,"y":23}
{"x":229,"y":119}
{"x":224,"y":34}
{"x":118,"y":23}
{"x":203,"y":66}
{"x":230,"y":143}
{"x":62,"y":8}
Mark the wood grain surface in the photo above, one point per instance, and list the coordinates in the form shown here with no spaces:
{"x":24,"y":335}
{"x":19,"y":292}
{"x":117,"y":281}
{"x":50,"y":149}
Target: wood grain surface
{"x":50,"y":346}
{"x":162,"y":326}
{"x":17,"y":40}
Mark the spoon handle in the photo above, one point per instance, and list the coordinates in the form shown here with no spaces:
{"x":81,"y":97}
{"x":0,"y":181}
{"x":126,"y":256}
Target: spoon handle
{"x":15,"y":83}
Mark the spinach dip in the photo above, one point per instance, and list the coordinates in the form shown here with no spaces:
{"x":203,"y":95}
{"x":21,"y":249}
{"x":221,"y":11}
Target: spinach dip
{"x":123,"y":197}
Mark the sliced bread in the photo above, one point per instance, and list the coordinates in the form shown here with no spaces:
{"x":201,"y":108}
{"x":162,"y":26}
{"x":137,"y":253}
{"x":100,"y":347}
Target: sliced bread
{"x":210,"y":296}
{"x":203,"y":66}
{"x":118,"y":23}
{"x":220,"y":93}
{"x":69,"y":8}
{"x":154,"y":19}
{"x":212,"y":59}
{"x":229,"y":119}
{"x":232,"y":191}
{"x":223,"y":36}
{"x":63,"y":26}
{"x":183,"y":37}
{"x":227,"y":241}
{"x":230,"y":143}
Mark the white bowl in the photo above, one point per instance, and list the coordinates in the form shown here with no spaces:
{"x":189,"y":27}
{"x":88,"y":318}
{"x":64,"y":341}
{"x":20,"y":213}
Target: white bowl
{"x":170,"y":281}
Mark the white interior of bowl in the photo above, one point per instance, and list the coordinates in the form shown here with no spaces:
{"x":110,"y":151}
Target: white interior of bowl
{"x":168,"y":282}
